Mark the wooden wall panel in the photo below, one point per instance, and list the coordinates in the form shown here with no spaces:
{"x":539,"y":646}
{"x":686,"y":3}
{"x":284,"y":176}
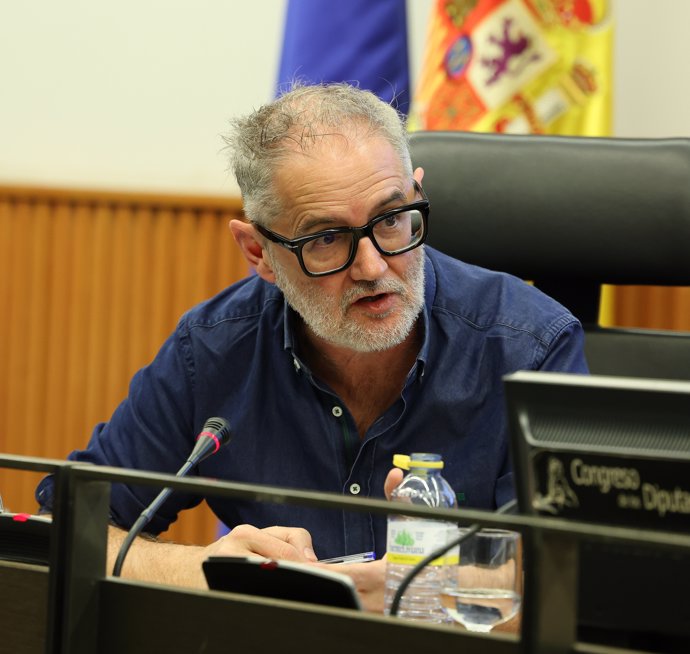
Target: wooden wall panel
{"x":91,"y":284}
{"x":652,"y":307}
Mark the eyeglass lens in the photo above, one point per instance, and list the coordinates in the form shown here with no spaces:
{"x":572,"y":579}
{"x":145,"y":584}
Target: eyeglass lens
{"x":393,"y":234}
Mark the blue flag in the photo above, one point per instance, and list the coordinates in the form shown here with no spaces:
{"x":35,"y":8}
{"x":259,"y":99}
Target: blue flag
{"x":363,"y":42}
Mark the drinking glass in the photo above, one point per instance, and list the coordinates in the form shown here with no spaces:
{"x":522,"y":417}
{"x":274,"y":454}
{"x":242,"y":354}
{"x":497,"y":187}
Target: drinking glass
{"x":487,"y":589}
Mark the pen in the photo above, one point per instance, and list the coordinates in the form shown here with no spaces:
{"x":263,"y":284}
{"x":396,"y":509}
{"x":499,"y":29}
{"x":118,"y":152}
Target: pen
{"x":363,"y":557}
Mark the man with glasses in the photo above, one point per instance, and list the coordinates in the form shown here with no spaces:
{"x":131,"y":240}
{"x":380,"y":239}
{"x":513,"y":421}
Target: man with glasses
{"x":352,"y":343}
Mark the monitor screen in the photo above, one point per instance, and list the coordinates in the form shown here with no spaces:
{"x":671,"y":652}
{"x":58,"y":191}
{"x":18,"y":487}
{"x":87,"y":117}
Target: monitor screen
{"x":615,"y":451}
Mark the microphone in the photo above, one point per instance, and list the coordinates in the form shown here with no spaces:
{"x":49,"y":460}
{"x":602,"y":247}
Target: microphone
{"x":214,"y":434}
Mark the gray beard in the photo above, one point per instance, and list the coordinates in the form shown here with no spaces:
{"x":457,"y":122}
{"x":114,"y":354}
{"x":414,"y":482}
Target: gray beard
{"x":327,"y":317}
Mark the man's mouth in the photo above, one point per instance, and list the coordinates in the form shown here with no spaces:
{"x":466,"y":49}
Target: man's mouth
{"x":372,"y":298}
{"x":379,"y":303}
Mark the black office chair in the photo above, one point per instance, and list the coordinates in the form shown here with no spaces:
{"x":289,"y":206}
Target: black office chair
{"x":570,"y":214}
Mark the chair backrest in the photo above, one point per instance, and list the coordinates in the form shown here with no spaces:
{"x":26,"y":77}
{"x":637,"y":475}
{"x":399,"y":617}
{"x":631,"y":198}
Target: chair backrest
{"x":569,"y":214}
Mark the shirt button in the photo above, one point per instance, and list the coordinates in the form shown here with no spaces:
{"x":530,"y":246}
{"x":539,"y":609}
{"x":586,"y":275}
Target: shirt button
{"x":337,"y":411}
{"x":354,"y":489}
{"x":296,"y":363}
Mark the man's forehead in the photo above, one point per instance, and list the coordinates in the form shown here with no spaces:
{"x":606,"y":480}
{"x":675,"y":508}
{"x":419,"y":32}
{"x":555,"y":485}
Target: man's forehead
{"x":337,"y":159}
{"x":338,"y":146}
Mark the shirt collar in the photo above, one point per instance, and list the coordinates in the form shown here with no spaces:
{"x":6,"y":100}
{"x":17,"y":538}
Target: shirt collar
{"x":429,"y":295}
{"x":289,"y":318}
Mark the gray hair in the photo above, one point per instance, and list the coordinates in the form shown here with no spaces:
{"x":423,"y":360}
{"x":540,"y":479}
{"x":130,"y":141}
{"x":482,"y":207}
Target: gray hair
{"x":260,"y":142}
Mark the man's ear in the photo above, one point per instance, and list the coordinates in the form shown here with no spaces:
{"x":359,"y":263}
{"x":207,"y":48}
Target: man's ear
{"x":252,"y":249}
{"x":418,"y":175}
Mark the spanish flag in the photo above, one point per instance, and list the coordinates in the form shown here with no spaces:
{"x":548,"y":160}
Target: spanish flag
{"x":520,"y":67}
{"x":517,"y":66}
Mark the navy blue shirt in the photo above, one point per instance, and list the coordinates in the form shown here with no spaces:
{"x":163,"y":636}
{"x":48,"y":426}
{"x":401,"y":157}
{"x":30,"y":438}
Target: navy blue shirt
{"x":235,"y":356}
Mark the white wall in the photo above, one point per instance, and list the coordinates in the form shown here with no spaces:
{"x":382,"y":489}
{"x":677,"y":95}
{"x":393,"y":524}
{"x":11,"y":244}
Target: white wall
{"x":130,"y":94}
{"x":134,"y":94}
{"x":651,"y":80}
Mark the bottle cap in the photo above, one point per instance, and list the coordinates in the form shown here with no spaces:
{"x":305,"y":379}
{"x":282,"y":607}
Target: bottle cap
{"x":403,"y":461}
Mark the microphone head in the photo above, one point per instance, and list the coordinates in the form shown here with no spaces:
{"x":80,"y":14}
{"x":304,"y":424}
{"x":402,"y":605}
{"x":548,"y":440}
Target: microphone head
{"x":215,"y":434}
{"x":220,"y":428}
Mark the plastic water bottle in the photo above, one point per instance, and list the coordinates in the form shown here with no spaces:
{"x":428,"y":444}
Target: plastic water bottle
{"x":412,"y":539}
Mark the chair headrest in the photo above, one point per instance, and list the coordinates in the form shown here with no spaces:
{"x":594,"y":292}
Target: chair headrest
{"x":574,"y":209}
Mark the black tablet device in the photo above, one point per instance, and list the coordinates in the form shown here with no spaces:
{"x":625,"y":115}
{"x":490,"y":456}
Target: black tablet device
{"x":281,"y":580}
{"x":25,"y":538}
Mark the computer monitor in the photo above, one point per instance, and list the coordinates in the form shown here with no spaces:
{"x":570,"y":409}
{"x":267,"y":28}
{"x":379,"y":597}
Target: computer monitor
{"x":615,"y":451}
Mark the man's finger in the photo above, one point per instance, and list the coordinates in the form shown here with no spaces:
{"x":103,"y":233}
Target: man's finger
{"x":300,"y":539}
{"x":394,"y":477}
{"x":272,"y":543}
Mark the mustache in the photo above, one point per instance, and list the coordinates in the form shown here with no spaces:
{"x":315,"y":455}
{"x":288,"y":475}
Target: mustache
{"x":374,"y":287}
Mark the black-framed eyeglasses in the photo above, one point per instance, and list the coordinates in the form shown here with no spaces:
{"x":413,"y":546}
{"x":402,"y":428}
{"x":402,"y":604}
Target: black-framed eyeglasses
{"x":332,"y":250}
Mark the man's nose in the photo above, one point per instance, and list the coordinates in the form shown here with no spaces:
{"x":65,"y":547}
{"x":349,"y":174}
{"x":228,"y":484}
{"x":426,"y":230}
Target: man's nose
{"x":369,"y":263}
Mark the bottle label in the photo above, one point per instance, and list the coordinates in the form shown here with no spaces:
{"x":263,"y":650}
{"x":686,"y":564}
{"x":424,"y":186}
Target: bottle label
{"x":410,"y":541}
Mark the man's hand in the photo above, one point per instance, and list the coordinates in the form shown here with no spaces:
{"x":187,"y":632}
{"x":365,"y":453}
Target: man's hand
{"x":369,"y":581}
{"x":288,"y":543}
{"x":180,"y":565}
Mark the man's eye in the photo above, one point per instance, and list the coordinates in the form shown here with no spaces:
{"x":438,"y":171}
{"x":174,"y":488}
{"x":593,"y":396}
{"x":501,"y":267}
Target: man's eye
{"x":393,"y":222}
{"x":325,"y":241}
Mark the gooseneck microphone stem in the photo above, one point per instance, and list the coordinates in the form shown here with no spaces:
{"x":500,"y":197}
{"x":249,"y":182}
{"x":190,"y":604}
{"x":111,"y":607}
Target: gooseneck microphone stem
{"x":140,"y":523}
{"x":409,"y":577}
{"x":215,"y":434}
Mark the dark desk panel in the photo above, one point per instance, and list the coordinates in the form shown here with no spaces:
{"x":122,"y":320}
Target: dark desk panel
{"x":23,"y":608}
{"x":140,"y":618}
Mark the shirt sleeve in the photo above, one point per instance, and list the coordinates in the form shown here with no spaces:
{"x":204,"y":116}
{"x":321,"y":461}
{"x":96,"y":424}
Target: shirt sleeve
{"x":152,"y":429}
{"x":566,"y":352}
